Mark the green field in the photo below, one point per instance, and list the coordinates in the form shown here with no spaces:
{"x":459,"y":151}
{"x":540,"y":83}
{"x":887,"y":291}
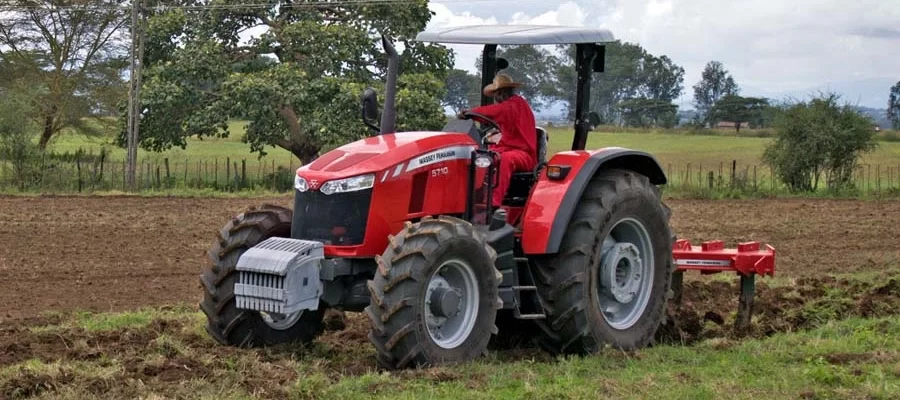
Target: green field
{"x":676,"y":147}
{"x":214,"y":164}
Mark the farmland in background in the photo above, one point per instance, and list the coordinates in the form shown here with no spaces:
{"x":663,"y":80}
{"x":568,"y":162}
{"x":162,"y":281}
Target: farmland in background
{"x":710,"y":163}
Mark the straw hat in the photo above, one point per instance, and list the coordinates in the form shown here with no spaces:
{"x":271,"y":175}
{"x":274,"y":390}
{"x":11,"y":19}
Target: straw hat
{"x":500,"y":81}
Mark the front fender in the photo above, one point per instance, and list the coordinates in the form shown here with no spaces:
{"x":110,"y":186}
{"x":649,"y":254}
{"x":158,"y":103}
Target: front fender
{"x":552,"y":202}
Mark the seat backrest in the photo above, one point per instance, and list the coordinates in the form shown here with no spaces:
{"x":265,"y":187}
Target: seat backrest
{"x":541,"y":145}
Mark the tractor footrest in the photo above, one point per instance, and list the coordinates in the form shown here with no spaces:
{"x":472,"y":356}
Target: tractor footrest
{"x":527,"y":295}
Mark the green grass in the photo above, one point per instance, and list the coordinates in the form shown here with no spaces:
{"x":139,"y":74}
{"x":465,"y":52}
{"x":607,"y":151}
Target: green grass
{"x":173,"y":357}
{"x":676,"y":147}
{"x":206,"y":149}
{"x":680,"y":148}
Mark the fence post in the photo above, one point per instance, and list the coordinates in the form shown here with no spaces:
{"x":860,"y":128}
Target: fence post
{"x":733,"y":171}
{"x":711,"y":179}
{"x":78,"y":165}
{"x":243,"y":173}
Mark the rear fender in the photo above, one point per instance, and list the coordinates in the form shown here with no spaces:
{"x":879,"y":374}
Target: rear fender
{"x":552,"y":202}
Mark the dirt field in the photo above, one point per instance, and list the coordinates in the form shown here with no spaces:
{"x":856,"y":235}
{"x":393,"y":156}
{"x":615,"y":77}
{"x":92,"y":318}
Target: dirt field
{"x":118,"y":253}
{"x":836,"y":259}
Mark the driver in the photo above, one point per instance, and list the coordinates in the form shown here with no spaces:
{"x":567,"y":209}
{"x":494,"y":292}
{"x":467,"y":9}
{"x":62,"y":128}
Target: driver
{"x":518,"y":142}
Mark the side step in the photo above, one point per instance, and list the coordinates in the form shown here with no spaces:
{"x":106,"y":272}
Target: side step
{"x":527,"y":292}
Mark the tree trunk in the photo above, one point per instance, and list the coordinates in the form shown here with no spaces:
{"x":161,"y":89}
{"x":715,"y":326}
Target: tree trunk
{"x":298,"y":144}
{"x":47,"y":132}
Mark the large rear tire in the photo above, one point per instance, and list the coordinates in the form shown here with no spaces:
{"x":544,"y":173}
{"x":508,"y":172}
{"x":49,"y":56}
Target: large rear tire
{"x":609,"y":283}
{"x":434,"y":297}
{"x":246,"y":328}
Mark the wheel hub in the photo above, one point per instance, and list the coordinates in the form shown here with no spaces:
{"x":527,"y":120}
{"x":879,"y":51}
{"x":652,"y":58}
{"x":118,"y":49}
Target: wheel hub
{"x":445,"y":302}
{"x":451,"y":304}
{"x":625,"y":273}
{"x":621,"y":271}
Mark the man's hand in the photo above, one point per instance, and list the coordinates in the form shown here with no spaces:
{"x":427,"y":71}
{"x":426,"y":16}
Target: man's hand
{"x":462,"y":114}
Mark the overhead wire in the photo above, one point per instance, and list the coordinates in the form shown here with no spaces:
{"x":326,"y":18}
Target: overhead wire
{"x":231,"y":6}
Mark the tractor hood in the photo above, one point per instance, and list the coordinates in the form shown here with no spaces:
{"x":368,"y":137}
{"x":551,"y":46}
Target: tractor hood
{"x":389,"y":151}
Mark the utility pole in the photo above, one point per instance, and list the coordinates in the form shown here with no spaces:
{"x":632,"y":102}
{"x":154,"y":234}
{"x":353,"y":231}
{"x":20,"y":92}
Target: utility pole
{"x":134,"y":91}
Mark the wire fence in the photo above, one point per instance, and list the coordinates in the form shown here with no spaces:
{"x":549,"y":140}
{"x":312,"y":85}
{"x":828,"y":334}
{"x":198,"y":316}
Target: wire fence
{"x":85,"y":176}
{"x":233,"y":174}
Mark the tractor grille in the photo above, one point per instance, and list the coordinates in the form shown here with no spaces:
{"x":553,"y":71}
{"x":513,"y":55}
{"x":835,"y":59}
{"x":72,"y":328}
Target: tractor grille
{"x":338,"y":219}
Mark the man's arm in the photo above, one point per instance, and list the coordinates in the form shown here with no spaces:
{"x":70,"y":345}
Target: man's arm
{"x":492,"y":111}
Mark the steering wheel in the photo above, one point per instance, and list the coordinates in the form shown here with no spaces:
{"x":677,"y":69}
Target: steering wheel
{"x":487,"y":124}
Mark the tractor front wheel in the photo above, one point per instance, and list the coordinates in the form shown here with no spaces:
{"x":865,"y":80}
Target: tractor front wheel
{"x":246,"y":328}
{"x":434,"y":297}
{"x":609,"y":283}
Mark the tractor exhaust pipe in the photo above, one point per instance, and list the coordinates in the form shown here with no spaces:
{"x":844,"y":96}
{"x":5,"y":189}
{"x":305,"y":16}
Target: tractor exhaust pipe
{"x":389,"y":115}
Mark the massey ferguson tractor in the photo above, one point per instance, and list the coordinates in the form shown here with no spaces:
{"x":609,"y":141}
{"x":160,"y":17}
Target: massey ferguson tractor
{"x":399,"y":226}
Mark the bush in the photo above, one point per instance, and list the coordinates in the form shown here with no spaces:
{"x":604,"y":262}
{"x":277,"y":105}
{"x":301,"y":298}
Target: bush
{"x":819,"y":137}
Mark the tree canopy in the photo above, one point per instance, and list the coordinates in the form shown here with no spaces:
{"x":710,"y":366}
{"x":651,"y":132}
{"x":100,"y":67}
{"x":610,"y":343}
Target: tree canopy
{"x":739,"y":110}
{"x":715,"y":83}
{"x":631,"y":73}
{"x":66,"y":59}
{"x":462,"y":90}
{"x":298,"y":83}
{"x":893,"y":108}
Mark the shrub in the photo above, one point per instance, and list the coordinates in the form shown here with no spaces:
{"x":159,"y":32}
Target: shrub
{"x":819,"y":137}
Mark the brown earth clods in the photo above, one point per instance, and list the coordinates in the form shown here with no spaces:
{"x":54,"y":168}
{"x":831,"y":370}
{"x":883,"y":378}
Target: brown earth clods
{"x":121,"y":253}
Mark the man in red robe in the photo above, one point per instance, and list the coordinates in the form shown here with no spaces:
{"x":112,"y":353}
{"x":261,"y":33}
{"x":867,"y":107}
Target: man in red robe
{"x":518,"y":142}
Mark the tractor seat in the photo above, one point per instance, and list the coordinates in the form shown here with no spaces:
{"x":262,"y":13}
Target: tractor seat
{"x":521,"y":182}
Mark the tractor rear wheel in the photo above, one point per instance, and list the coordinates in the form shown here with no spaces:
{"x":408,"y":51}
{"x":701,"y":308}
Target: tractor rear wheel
{"x":434,"y":297}
{"x":246,"y":328}
{"x":609,"y":283}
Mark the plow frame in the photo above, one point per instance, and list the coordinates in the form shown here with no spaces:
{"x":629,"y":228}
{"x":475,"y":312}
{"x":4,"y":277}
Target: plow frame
{"x":747,"y":260}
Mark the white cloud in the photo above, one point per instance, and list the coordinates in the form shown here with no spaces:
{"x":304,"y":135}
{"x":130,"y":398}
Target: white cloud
{"x":770,"y":46}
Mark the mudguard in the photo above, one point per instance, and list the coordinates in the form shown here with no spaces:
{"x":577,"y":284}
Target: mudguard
{"x":552,"y":202}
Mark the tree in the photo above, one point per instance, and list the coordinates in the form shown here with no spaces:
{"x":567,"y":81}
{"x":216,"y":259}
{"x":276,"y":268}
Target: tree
{"x":739,"y":109}
{"x":893,"y":108}
{"x":715,"y":83}
{"x":463,"y":90}
{"x":819,"y":137}
{"x":644,"y":112}
{"x":535,"y":67}
{"x":298,"y":83}
{"x":630,"y":72}
{"x":71,"y":54}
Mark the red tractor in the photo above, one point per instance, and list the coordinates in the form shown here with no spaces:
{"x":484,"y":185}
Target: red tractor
{"x":398,"y":226}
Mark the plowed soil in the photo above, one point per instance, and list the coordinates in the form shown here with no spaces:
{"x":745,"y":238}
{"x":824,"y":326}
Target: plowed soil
{"x":118,"y":253}
{"x":837,"y":259}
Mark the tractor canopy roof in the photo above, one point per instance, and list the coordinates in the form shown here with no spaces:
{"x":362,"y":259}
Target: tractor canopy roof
{"x":516,"y":35}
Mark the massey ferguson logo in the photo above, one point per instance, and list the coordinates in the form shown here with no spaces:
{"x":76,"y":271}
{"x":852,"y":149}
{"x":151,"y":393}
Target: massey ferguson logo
{"x":314,"y":184}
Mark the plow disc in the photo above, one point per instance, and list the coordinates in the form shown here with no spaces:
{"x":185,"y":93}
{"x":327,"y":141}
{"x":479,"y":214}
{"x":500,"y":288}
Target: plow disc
{"x":747,"y":260}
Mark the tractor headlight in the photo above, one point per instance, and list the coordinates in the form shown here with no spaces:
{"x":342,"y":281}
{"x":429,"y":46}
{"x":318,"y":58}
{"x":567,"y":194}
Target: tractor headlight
{"x":482,"y":161}
{"x":300,"y":183}
{"x":348,"y":184}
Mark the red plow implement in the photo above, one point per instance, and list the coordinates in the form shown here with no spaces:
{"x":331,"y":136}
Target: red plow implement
{"x":747,"y":260}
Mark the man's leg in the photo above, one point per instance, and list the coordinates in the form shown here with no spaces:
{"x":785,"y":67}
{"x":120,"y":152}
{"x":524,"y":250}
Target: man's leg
{"x":510,"y":161}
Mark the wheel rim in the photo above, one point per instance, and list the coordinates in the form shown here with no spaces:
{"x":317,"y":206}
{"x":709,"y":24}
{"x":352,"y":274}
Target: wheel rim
{"x":451,"y":304}
{"x":280,"y":321}
{"x":625,"y":274}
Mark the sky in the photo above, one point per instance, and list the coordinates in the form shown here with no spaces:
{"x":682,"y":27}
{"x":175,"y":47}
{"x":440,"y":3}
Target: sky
{"x":772,"y":48}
